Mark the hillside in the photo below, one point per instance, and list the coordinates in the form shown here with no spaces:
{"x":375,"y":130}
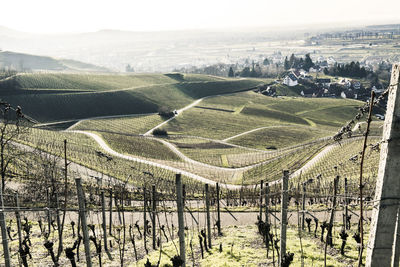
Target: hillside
{"x":53,"y":97}
{"x":26,"y":62}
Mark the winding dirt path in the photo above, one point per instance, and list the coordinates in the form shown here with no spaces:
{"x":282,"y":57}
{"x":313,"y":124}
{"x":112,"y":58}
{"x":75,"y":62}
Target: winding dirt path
{"x":109,"y":150}
{"x":179,"y":111}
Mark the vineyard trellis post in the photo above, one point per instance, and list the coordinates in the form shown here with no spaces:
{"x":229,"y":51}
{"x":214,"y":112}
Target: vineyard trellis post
{"x":266,"y":192}
{"x":208,"y":215}
{"x":4,"y":237}
{"x":346,"y":205}
{"x":218,"y":213}
{"x":261,"y":199}
{"x":18,"y":218}
{"x":303,"y":207}
{"x":82,"y":212}
{"x":144,"y":219}
{"x":380,"y":248}
{"x":104,"y":224}
{"x":111,"y":206}
{"x":153,"y":218}
{"x":284,"y":207}
{"x":181,"y":223}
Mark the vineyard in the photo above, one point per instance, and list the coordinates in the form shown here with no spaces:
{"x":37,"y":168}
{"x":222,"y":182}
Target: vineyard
{"x":236,"y":179}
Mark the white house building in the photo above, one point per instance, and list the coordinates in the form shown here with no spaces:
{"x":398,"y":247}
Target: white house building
{"x":290,"y":80}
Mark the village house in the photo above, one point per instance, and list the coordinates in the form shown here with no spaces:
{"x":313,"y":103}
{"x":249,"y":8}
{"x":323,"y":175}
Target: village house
{"x":290,"y":79}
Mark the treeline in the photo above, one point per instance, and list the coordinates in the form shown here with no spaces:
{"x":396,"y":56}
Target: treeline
{"x":298,"y":62}
{"x":352,"y":70}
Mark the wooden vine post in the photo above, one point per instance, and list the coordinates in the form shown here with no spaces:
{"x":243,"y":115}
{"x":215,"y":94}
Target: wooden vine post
{"x":153,"y":218}
{"x":208,"y":215}
{"x":381,"y":250}
{"x":82,"y":213}
{"x":284,"y":208}
{"x":218,"y":213}
{"x":346,"y":205}
{"x":261,"y":199}
{"x":4,"y":236}
{"x":303,"y":206}
{"x":266,"y":192}
{"x":181,"y":223}
{"x":104,"y":224}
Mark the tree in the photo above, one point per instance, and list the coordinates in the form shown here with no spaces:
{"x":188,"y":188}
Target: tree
{"x":129,"y":68}
{"x":231,"y":73}
{"x":10,"y":129}
{"x":245,"y":72}
{"x":286,"y":64}
{"x":308,"y":63}
{"x":292,"y":61}
{"x":266,"y":62}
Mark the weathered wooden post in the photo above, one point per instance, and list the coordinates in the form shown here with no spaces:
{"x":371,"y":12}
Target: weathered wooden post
{"x":303,"y":207}
{"x":18,"y":217}
{"x":284,"y":207}
{"x":4,"y":236}
{"x":218,"y":213}
{"x":104,"y":224}
{"x":208,"y":216}
{"x":111,"y":206}
{"x":181,"y":223}
{"x":261,"y":199}
{"x":385,"y":213}
{"x":145,"y":219}
{"x":82,"y":212}
{"x":346,"y":204}
{"x":48,"y":210}
{"x":266,"y":202}
{"x":153,"y":218}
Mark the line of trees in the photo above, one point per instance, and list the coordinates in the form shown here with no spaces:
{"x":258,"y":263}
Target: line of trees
{"x":352,"y":69}
{"x":298,"y":62}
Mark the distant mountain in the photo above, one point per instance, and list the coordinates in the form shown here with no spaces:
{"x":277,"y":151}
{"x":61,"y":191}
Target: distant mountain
{"x":26,"y":62}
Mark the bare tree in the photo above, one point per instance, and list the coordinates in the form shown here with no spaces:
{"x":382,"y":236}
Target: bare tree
{"x":11,"y":127}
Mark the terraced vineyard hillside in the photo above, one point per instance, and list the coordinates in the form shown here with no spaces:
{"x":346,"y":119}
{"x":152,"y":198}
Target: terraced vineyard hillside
{"x":54,"y":97}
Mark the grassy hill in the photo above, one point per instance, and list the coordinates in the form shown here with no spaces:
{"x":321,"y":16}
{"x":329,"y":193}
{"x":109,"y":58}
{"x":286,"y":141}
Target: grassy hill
{"x":21,"y":62}
{"x":53,"y":97}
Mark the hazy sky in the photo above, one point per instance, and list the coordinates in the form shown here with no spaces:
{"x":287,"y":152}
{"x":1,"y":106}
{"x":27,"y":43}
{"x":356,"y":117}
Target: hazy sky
{"x":51,"y":16}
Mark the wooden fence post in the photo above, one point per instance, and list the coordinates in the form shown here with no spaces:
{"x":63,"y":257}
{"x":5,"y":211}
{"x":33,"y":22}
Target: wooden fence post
{"x":284,"y":207}
{"x":48,"y":210}
{"x":145,"y":219}
{"x":18,"y":217}
{"x":208,"y":215}
{"x":346,"y":204}
{"x":82,"y":212}
{"x":153,"y":218}
{"x":104,"y":225}
{"x":261,"y":199}
{"x":303,"y":206}
{"x":382,"y":231}
{"x":218,"y":213}
{"x":181,"y":223}
{"x":111,"y":206}
{"x":266,"y":202}
{"x":4,"y":236}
